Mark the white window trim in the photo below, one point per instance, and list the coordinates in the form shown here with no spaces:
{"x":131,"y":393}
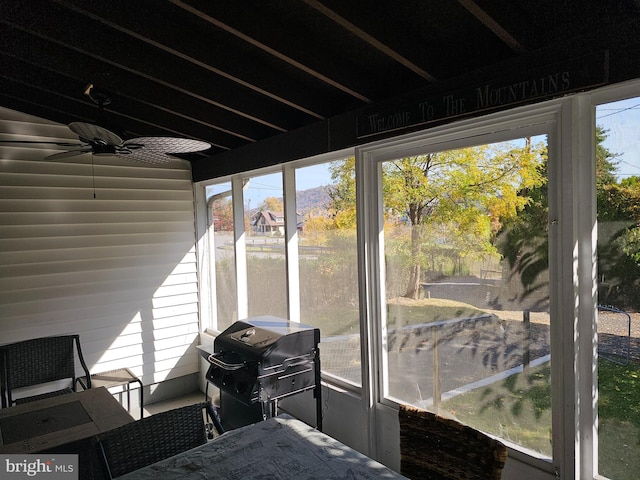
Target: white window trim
{"x":542,"y":119}
{"x":291,"y":244}
{"x":240,"y":247}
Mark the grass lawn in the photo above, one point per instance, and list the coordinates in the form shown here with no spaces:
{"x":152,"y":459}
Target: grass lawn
{"x":619,"y":411}
{"x":341,"y":320}
{"x":404,"y":311}
{"x":519,"y":409}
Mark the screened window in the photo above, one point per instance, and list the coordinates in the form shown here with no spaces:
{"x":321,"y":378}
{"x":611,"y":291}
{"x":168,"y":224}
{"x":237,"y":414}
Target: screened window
{"x":467,"y":287}
{"x":323,"y":291}
{"x":264,"y":239}
{"x":222,"y":253}
{"x":467,"y":254}
{"x":618,"y":203}
{"x":327,"y":251}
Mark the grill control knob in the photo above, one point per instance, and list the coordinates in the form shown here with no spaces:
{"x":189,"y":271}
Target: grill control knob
{"x":214,"y":373}
{"x":241,"y":387}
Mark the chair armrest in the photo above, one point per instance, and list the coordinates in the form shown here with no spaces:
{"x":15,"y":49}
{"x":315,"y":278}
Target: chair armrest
{"x":87,"y":375}
{"x":85,"y":382}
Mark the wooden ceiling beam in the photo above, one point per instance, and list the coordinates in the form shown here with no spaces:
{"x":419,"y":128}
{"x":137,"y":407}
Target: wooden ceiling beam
{"x":280,"y":56}
{"x":492,"y":25}
{"x":375,"y":43}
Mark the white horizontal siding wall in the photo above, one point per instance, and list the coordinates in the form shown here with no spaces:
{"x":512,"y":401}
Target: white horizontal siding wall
{"x":118,"y":269}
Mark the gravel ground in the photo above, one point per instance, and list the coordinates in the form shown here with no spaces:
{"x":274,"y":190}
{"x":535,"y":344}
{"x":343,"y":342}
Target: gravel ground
{"x":618,"y":334}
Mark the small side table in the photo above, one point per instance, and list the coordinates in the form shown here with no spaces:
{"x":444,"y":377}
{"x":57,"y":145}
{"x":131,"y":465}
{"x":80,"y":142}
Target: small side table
{"x":114,"y":378}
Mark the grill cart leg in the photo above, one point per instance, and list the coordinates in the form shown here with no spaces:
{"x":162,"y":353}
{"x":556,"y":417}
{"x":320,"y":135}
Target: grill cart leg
{"x":269,"y":408}
{"x":317,"y":391}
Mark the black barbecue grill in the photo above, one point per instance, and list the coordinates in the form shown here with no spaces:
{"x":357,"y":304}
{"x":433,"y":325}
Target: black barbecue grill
{"x":257,"y":361}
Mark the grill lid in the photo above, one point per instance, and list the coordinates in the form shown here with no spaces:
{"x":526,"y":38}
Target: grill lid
{"x":255,"y":337}
{"x":267,"y":339}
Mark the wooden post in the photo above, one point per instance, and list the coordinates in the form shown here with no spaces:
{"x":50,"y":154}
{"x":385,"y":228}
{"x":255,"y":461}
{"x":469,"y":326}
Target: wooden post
{"x":526,"y":347}
{"x":437,"y":387}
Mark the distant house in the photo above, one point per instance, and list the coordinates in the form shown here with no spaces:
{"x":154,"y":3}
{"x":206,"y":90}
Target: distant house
{"x":270,"y":223}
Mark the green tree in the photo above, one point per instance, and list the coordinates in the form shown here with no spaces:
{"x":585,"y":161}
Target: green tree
{"x":524,"y":244}
{"x":523,"y":240}
{"x":619,"y":243}
{"x":610,"y":200}
{"x":343,"y":193}
{"x":471,"y":190}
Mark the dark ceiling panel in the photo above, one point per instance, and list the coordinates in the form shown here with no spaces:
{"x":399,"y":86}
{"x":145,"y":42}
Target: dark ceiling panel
{"x":85,"y":36}
{"x":440,"y":36}
{"x":51,"y":59}
{"x":313,"y":42}
{"x":224,"y":55}
{"x":244,"y":73}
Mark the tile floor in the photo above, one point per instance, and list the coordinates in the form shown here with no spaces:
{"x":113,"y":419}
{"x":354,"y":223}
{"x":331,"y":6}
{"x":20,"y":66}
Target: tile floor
{"x":176,"y":402}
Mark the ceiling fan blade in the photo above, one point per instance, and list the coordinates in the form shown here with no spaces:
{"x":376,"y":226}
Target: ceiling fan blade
{"x":92,"y":133}
{"x":36,"y":142}
{"x":169,"y":144}
{"x":129,"y":147}
{"x":145,"y":156}
{"x":68,"y":154}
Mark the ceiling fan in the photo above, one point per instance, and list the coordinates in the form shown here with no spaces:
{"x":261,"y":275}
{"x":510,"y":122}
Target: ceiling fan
{"x":103,"y":142}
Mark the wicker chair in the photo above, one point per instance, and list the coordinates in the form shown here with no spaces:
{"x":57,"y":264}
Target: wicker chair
{"x":90,"y":465}
{"x":38,"y":361}
{"x":151,"y":439}
{"x":437,"y":448}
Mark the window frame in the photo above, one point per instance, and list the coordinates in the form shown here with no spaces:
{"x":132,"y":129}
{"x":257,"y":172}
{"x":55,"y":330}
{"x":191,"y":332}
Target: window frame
{"x":569,"y":123}
{"x":517,"y":123}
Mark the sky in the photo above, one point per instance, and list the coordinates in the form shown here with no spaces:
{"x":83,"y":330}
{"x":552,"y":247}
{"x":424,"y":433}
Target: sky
{"x":621,"y":119}
{"x":271,"y":185}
